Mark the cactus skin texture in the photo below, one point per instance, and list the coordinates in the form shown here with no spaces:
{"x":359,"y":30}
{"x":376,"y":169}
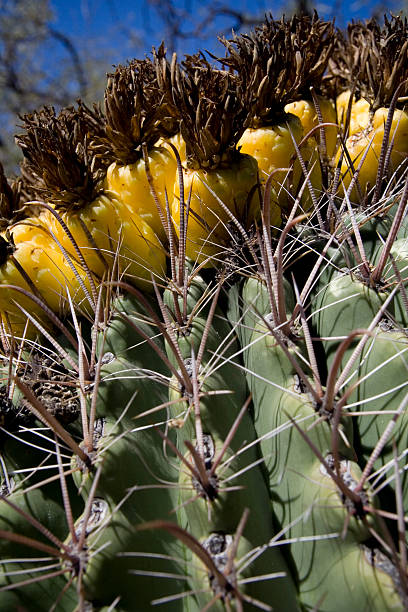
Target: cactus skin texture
{"x":208,"y":224}
{"x":306,"y":499}
{"x":219,"y":510}
{"x":132,"y":455}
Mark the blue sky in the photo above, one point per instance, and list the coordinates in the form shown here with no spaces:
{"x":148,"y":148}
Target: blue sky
{"x":125,"y":28}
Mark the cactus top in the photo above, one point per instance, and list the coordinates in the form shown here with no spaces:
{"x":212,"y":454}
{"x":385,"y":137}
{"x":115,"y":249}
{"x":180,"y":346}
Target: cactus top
{"x":138,"y":110}
{"x":211,"y":110}
{"x":278,"y":63}
{"x":372,"y":60}
{"x":58,"y":163}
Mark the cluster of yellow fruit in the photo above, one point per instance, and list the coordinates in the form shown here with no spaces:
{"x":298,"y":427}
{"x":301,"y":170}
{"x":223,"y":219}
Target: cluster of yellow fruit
{"x":181,"y":152}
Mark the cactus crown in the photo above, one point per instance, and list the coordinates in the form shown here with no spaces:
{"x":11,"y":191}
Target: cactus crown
{"x":279,"y":62}
{"x":58,"y":164}
{"x":373,"y":60}
{"x":138,"y":112}
{"x":212,"y":116}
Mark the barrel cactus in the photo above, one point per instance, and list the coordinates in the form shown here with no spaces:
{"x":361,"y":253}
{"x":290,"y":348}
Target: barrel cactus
{"x":204,"y":359}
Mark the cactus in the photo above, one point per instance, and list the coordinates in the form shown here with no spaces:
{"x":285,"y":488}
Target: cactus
{"x":211,"y":412}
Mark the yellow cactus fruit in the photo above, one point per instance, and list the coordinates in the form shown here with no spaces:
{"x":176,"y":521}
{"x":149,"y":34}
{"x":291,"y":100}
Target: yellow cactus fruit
{"x":95,"y":231}
{"x":207,"y":230}
{"x":370,"y":140}
{"x":106,"y":231}
{"x":224,"y":182}
{"x":138,"y":116}
{"x":272,"y":146}
{"x":306,"y":111}
{"x":277,"y":63}
{"x":359,"y":112}
{"x":177,"y":141}
{"x":360,"y":116}
{"x":372,"y":59}
{"x":50,"y":277}
{"x":30,"y":260}
{"x":342,"y":102}
{"x":142,"y":255}
{"x":131,"y":185}
{"x":58,"y":167}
